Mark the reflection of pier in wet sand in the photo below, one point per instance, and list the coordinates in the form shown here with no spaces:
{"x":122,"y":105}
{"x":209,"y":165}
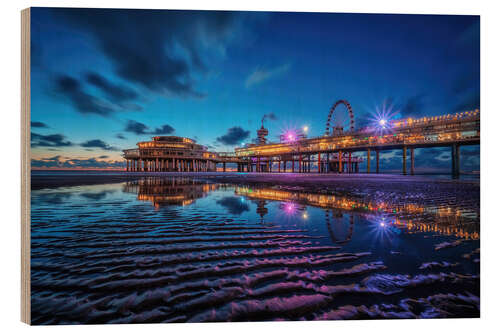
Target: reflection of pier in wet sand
{"x":169,"y":191}
{"x":184,"y":250}
{"x":446,"y":220}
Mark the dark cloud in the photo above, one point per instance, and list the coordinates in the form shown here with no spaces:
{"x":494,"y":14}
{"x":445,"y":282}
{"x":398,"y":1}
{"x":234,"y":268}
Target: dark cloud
{"x":52,"y":140}
{"x":471,"y":102}
{"x":103,"y":156}
{"x":466,"y":90}
{"x":139,"y":129}
{"x":39,"y":124}
{"x":413,"y":106}
{"x":234,"y":136}
{"x":92,"y":163}
{"x":64,"y":162}
{"x":83,"y":102}
{"x":96,"y":143}
{"x":135,"y":127}
{"x":74,"y":91}
{"x":120,"y":136}
{"x":115,"y":92}
{"x":163,"y":130}
{"x":270,"y":116}
{"x":161,"y":50}
{"x":234,"y":205}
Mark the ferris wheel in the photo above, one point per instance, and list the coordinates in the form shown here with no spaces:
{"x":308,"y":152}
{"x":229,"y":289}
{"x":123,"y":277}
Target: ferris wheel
{"x":339,"y":227}
{"x":340,"y":120}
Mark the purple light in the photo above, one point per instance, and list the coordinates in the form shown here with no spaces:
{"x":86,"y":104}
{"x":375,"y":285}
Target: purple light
{"x":290,"y":136}
{"x":290,"y":208}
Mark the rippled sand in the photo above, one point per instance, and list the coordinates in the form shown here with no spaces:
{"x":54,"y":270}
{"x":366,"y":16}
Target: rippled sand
{"x":166,"y":250}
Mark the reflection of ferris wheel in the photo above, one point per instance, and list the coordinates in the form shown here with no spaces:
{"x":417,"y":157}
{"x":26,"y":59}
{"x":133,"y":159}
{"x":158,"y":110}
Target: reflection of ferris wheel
{"x":340,"y":230}
{"x":341,"y":120}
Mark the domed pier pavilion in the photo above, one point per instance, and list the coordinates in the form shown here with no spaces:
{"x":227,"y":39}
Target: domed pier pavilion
{"x":170,"y":153}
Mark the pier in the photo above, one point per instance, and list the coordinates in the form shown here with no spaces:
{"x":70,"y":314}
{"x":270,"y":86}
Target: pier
{"x":331,"y":153}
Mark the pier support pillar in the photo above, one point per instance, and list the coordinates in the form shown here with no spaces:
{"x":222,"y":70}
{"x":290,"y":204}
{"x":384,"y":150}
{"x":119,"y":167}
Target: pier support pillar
{"x":404,"y":160}
{"x":412,"y":161}
{"x":455,"y":161}
{"x":378,"y":161}
{"x":350,"y":163}
{"x":319,"y":162}
{"x":368,"y":160}
{"x":224,"y":167}
{"x":340,"y":162}
{"x":327,"y":166}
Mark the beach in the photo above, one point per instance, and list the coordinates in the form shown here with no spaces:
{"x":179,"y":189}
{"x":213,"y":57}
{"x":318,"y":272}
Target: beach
{"x":128,"y":248}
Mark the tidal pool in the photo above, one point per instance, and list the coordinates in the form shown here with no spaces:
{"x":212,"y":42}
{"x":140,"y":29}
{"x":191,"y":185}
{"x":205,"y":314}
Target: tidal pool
{"x":180,"y":250}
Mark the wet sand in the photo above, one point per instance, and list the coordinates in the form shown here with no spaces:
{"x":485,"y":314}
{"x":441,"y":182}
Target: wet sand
{"x":392,"y":189}
{"x":126,"y":253}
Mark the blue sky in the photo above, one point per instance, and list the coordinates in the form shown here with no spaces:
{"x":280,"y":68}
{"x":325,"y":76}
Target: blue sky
{"x":103,"y":80}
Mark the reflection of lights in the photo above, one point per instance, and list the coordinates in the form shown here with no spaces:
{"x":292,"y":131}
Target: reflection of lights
{"x":290,"y":208}
{"x":382,"y":230}
{"x":305,"y":216}
{"x":378,"y":210}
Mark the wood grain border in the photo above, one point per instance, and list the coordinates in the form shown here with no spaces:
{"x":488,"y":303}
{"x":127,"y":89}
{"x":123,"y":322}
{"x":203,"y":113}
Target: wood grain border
{"x":25,"y":167}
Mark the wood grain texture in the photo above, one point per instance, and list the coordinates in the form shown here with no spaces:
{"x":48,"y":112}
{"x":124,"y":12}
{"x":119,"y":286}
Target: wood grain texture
{"x":25,"y":166}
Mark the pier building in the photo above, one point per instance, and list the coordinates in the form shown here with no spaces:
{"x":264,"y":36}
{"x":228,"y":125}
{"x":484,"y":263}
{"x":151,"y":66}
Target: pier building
{"x":170,"y":153}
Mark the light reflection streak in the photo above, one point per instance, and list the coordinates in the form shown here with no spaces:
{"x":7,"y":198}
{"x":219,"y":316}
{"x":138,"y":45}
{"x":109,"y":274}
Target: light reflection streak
{"x":450,"y":221}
